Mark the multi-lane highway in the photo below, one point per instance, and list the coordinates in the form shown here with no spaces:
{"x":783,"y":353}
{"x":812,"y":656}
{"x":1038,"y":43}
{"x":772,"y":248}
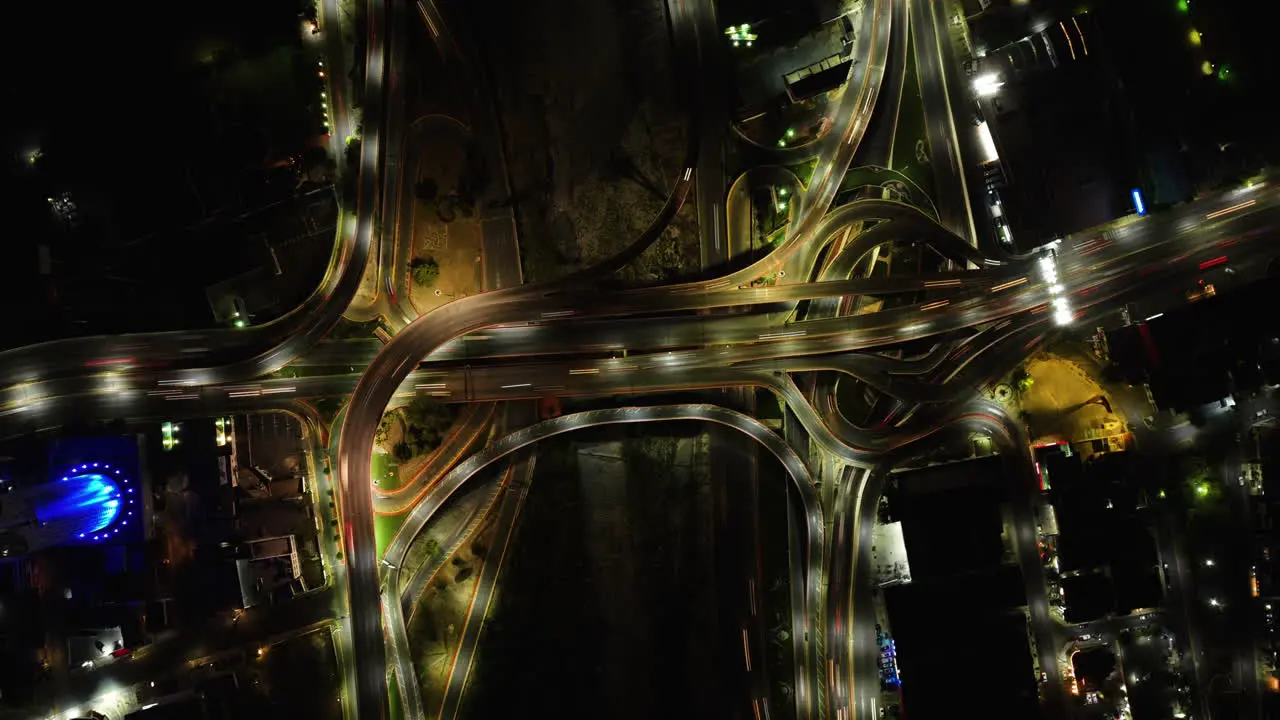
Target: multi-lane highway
{"x":581,"y":337}
{"x":1125,"y":255}
{"x":945,"y":101}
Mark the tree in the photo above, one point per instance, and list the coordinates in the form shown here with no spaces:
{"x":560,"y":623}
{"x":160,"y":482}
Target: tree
{"x":402,"y":451}
{"x":426,"y":190}
{"x":447,"y":208}
{"x":384,"y":427}
{"x":1021,"y":379}
{"x":426,"y":422}
{"x":425,"y":271}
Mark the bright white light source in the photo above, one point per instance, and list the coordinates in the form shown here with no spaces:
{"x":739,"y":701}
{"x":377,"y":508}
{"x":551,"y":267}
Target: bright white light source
{"x":986,"y":85}
{"x":1063,"y":316}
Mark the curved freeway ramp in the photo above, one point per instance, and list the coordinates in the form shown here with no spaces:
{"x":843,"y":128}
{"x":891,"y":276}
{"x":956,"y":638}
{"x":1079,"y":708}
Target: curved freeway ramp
{"x":523,"y":438}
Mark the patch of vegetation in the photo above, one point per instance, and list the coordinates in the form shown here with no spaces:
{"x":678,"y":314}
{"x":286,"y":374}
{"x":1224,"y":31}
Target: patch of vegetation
{"x":329,"y":408}
{"x":911,"y":130}
{"x":385,"y":527}
{"x":426,"y":422}
{"x":394,"y":710}
{"x":425,"y":271}
{"x":386,"y":471}
{"x":804,"y":171}
{"x":303,"y":371}
{"x":348,"y":330}
{"x":1020,"y":379}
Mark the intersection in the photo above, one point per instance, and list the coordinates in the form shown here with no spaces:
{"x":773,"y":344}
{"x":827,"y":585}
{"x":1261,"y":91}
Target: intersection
{"x":584,"y":336}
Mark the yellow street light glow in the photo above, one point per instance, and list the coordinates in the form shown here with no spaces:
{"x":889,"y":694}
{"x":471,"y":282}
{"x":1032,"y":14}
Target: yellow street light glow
{"x":1195,"y":37}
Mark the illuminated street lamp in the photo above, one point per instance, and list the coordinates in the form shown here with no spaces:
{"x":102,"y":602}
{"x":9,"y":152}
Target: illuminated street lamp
{"x":225,"y":431}
{"x":986,"y":85}
{"x":1184,"y":6}
{"x":741,"y":35}
{"x":169,"y":435}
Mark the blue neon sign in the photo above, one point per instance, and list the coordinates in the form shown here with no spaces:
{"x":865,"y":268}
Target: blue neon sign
{"x":1138,"y":205}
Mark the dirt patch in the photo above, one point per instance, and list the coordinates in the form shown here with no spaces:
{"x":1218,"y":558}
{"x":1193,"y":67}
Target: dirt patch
{"x":441,"y":231}
{"x":436,"y":627}
{"x":594,"y":132}
{"x":1057,"y":402}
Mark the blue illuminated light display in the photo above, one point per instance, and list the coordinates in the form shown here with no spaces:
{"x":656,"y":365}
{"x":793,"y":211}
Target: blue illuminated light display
{"x":91,"y":501}
{"x":1138,"y":205}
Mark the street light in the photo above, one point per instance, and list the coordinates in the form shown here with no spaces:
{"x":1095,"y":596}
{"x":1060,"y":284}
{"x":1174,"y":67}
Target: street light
{"x":169,"y":435}
{"x":1208,"y":562}
{"x":741,"y":35}
{"x":987,"y":85}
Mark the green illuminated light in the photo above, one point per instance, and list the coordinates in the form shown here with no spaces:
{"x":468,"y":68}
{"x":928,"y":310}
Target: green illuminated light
{"x":740,"y":35}
{"x":169,"y":435}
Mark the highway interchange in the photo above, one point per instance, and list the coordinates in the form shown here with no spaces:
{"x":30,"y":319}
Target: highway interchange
{"x":584,"y":336}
